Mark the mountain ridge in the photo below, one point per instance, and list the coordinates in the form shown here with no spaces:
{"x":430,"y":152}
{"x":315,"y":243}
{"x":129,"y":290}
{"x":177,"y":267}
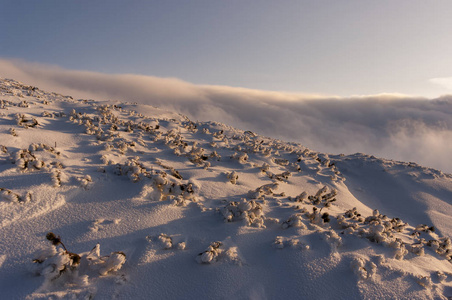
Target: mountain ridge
{"x":262,"y":217}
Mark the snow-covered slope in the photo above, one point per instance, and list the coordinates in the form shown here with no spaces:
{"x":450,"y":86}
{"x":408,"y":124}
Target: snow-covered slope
{"x":146,"y":204}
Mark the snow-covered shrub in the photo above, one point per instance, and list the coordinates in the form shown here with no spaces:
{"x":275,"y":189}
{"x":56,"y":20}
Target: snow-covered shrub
{"x":333,"y":238}
{"x":281,"y":242}
{"x":240,"y":157}
{"x":300,"y":198}
{"x":363,"y":269}
{"x":295,"y":220}
{"x":166,"y":241}
{"x":196,"y":155}
{"x":443,"y":247}
{"x":132,"y":168}
{"x":24,"y":104}
{"x":250,"y":211}
{"x":441,"y":276}
{"x":263,"y":191}
{"x":57,"y":177}
{"x":265,"y":167}
{"x":280,"y":177}
{"x":85,"y":182}
{"x":13,"y":132}
{"x":9,"y":195}
{"x":424,"y":281}
{"x":416,"y":249}
{"x":316,"y":217}
{"x":400,"y":252}
{"x":323,"y":198}
{"x":59,"y":266}
{"x":211,"y":254}
{"x":232,"y":177}
{"x":54,"y":262}
{"x":281,"y":161}
{"x":179,"y":201}
{"x":105,"y":264}
{"x":353,"y":215}
{"x":25,"y":160}
{"x":26,"y":122}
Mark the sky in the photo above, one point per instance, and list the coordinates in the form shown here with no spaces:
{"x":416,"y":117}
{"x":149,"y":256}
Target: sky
{"x":335,"y":76}
{"x":330,"y":47}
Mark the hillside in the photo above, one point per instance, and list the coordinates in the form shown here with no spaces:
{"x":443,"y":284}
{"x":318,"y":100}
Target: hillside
{"x":147,"y":204}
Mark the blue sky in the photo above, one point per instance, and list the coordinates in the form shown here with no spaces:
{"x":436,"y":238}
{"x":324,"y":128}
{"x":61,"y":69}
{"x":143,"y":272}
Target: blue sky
{"x":331,"y":47}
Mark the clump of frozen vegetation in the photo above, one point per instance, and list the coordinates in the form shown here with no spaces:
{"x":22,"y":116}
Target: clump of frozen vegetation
{"x":233,"y":177}
{"x":248,"y":210}
{"x":262,"y":191}
{"x":59,"y":266}
{"x":281,"y":242}
{"x":363,"y":269}
{"x":295,"y":220}
{"x":26,"y":121}
{"x":211,"y":254}
{"x":85,"y":182}
{"x":166,"y":241}
{"x":9,"y":195}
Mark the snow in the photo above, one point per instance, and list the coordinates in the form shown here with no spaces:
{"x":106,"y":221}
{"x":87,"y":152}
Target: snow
{"x":144,"y":203}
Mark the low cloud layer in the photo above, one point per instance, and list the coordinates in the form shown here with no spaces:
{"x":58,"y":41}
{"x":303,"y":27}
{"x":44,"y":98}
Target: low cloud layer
{"x":388,"y":125}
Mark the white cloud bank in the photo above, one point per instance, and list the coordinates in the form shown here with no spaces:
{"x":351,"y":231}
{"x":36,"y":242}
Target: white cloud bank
{"x":392,"y":126}
{"x":445,"y":82}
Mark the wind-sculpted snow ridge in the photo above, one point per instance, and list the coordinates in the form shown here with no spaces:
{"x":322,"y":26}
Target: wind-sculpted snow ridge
{"x":201,"y":210}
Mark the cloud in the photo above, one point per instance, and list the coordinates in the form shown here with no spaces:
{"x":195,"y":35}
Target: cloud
{"x":445,"y":82}
{"x":387,"y":125}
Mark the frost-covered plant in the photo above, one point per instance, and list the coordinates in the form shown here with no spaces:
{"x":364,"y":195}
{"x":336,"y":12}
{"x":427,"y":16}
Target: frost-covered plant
{"x":26,"y":160}
{"x":265,"y":167}
{"x":166,"y":241}
{"x":441,"y":276}
{"x":281,"y":161}
{"x":424,"y":281}
{"x":295,"y":220}
{"x":24,"y":104}
{"x":316,"y":217}
{"x":442,"y":246}
{"x":323,"y":198}
{"x":424,"y":228}
{"x":132,"y":168}
{"x":300,"y":198}
{"x":240,"y":157}
{"x":232,"y":177}
{"x":211,"y":254}
{"x":263,"y":191}
{"x":281,"y":242}
{"x":57,"y":178}
{"x":26,"y":122}
{"x":85,"y":182}
{"x":280,"y":177}
{"x":250,"y":211}
{"x":55,"y":262}
{"x":9,"y":195}
{"x":363,"y":269}
{"x":13,"y":132}
{"x":333,"y":238}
